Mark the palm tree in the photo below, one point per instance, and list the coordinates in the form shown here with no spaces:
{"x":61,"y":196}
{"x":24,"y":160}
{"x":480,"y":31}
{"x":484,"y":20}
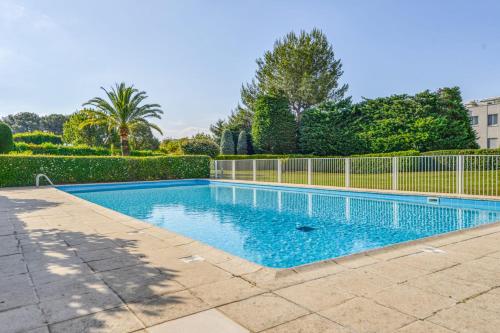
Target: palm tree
{"x":123,"y":112}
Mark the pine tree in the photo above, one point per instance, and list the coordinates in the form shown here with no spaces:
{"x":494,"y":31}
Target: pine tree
{"x":242,"y":148}
{"x":227,"y":143}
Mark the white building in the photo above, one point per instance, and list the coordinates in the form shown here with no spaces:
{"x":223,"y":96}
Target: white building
{"x":484,"y":119}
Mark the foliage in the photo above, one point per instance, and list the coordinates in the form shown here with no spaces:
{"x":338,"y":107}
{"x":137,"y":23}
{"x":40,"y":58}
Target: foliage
{"x":216,"y":129}
{"x":6,"y":141}
{"x":172,"y":146}
{"x":122,"y":112}
{"x":303,"y":67}
{"x":274,"y":129}
{"x":331,"y":128}
{"x":483,"y":151}
{"x":91,"y":135}
{"x":427,"y":121}
{"x":200,"y":147}
{"x":286,"y":156}
{"x":18,"y":170}
{"x":227,"y":143}
{"x":38,"y":137}
{"x":23,"y":122}
{"x":242,"y":146}
{"x":142,"y":138}
{"x":53,"y":123}
{"x":78,"y":150}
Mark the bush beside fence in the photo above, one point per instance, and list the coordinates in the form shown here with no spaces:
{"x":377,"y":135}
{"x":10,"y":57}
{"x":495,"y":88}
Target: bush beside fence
{"x":18,"y":170}
{"x":38,"y":137}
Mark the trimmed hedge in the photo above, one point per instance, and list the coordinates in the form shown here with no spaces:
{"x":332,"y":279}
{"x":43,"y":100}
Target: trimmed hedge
{"x":80,"y":150}
{"x":38,"y":137}
{"x":483,"y":151}
{"x":19,"y":170}
{"x":273,"y":156}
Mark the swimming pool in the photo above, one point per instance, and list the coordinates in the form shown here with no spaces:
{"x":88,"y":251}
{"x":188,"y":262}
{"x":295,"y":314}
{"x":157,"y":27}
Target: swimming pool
{"x":283,"y":227}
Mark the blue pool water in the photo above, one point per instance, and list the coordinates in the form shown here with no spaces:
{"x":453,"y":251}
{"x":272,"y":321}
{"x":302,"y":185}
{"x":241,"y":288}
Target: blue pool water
{"x":282,"y":226}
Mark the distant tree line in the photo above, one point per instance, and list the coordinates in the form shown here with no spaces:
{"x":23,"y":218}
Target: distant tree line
{"x":296,"y":104}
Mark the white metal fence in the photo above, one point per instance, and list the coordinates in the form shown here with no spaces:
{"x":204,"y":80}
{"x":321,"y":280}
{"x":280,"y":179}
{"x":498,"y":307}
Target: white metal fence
{"x":462,"y":174}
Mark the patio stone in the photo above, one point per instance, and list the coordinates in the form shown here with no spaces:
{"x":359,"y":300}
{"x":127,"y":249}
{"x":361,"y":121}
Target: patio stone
{"x":71,"y":287}
{"x":466,"y":318}
{"x":356,"y":261}
{"x":489,"y":301}
{"x":21,"y":319}
{"x":423,"y":327}
{"x":308,"y":324}
{"x":114,"y":263}
{"x":167,"y":307}
{"x":443,"y":284}
{"x":486,"y":263}
{"x":395,"y":271}
{"x":474,"y":274}
{"x":226,"y":291}
{"x":237,"y":266}
{"x":210,"y":321}
{"x":146,"y":288}
{"x":360,"y":282}
{"x":263,"y":311}
{"x":55,"y":273}
{"x":75,"y":306}
{"x":17,"y":297}
{"x":315,"y":295}
{"x":118,"y":320}
{"x":201,"y":273}
{"x":318,"y":270}
{"x":364,"y":316}
{"x":100,"y":254}
{"x":412,"y":301}
{"x":430,"y":262}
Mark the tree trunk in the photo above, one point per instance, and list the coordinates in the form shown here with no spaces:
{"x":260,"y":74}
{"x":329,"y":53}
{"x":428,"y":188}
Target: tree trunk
{"x":124,"y":142}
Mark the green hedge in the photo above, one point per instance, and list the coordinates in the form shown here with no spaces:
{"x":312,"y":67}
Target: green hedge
{"x":38,"y":137}
{"x":80,"y":150}
{"x":19,"y":170}
{"x":463,"y":152}
{"x":273,"y":156}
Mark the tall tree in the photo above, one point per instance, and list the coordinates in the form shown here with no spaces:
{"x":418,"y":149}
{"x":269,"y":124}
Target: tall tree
{"x":217,"y":128}
{"x":274,"y":129}
{"x":242,"y":147}
{"x":23,"y":122}
{"x":91,"y":135}
{"x":142,"y":138}
{"x":427,"y":121}
{"x":122,"y":112}
{"x":331,"y":128}
{"x":302,"y":67}
{"x":227,"y":143}
{"x":53,"y":123}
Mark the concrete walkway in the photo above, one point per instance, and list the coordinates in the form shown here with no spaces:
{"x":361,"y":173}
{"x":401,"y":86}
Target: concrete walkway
{"x":67,"y":265}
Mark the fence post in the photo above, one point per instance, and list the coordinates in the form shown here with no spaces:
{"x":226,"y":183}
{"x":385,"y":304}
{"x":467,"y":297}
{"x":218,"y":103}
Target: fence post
{"x":347,"y":170}
{"x":395,"y":169}
{"x":460,"y":174}
{"x":279,"y":171}
{"x":254,"y":170}
{"x":309,"y":171}
{"x":234,"y":169}
{"x":215,"y":167}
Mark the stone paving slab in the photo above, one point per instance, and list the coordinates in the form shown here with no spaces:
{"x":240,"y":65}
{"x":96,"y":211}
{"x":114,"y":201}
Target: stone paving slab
{"x":67,"y":265}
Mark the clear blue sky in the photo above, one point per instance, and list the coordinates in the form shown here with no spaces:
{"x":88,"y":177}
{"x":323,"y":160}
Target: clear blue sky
{"x":193,"y":56}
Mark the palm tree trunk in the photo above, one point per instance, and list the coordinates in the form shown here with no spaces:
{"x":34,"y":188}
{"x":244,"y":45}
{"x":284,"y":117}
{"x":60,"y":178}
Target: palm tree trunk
{"x":124,"y":142}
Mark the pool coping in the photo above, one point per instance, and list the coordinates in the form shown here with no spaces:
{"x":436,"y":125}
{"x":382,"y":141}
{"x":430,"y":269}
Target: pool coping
{"x":342,"y":260}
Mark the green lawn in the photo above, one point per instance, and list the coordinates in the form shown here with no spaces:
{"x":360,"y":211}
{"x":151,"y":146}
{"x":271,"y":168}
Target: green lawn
{"x":477,"y":183}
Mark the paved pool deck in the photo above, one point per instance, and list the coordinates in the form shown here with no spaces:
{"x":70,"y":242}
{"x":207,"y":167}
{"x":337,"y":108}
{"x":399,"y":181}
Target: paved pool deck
{"x":67,"y":265}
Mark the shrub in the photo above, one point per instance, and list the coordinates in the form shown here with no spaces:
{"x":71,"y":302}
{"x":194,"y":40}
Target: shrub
{"x":274,"y":128}
{"x":6,"y":142}
{"x":19,"y":170}
{"x":227,"y":143}
{"x":200,"y":147}
{"x":38,"y":137}
{"x":242,"y":148}
{"x":78,"y":150}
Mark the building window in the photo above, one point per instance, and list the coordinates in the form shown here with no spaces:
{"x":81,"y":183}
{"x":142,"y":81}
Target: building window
{"x":493,"y":119}
{"x":492,"y":143}
{"x":474,"y":120}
